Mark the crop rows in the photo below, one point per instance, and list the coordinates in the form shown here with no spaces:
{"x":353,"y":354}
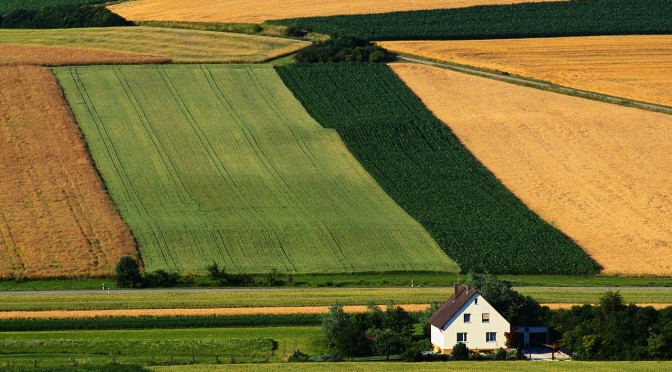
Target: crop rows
{"x":221,"y":164}
{"x":420,"y":163}
{"x":575,"y":18}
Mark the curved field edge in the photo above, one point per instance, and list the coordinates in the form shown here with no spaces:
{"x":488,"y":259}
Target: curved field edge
{"x":36,"y":55}
{"x":257,"y":11}
{"x":601,"y":64}
{"x":219,"y":163}
{"x":56,"y":219}
{"x":420,"y":163}
{"x":599,"y":172}
{"x":547,"y":19}
{"x":178,"y":45}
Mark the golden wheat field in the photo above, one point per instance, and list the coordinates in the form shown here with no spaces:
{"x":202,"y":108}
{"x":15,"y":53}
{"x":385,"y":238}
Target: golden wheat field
{"x":230,"y":311}
{"x":11,"y":55}
{"x":258,"y":11}
{"x":55,"y":217}
{"x":598,"y":172}
{"x":190,"y":46}
{"x":632,"y":67}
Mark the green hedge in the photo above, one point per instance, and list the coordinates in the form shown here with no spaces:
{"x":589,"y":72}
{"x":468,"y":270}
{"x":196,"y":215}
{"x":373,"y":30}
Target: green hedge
{"x":575,"y":18}
{"x":146,"y":322}
{"x":71,"y":16}
{"x":7,"y":6}
{"x":427,"y":171}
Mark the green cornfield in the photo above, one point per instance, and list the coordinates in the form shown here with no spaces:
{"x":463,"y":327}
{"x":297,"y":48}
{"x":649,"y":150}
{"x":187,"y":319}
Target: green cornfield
{"x":422,"y":165}
{"x":220,"y":163}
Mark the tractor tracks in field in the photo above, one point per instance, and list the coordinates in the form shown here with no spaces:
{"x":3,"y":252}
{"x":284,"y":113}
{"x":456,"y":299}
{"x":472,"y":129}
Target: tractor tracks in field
{"x":542,"y":85}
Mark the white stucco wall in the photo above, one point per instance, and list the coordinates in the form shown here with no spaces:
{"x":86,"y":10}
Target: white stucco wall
{"x":476,"y":329}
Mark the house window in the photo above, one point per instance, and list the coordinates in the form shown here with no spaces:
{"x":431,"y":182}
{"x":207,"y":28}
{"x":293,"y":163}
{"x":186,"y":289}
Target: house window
{"x":490,"y":336}
{"x":476,"y":301}
{"x":486,"y":317}
{"x":462,"y":337}
{"x":467,"y":318}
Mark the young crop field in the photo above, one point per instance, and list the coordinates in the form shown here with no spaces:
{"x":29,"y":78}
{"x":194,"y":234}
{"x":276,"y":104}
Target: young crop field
{"x":258,"y":11}
{"x":167,"y":43}
{"x":7,"y":6}
{"x":222,"y":164}
{"x":598,"y":172}
{"x":55,"y":217}
{"x":602,"y":64}
{"x":421,"y":164}
{"x":11,"y":54}
{"x":533,"y":19}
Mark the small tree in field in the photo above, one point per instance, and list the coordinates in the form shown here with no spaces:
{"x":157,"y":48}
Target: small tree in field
{"x":128,"y":272}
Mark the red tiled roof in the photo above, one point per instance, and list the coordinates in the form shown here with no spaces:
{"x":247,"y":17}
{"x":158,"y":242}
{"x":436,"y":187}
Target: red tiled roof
{"x":452,"y":306}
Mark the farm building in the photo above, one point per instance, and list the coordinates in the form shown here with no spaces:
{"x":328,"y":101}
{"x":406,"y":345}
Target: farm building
{"x":468,"y":318}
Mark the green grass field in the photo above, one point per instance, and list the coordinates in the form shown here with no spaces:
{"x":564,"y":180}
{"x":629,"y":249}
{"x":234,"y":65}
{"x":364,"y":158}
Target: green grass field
{"x":222,"y":164}
{"x":293,"y":297}
{"x":421,"y":164}
{"x":178,"y":45}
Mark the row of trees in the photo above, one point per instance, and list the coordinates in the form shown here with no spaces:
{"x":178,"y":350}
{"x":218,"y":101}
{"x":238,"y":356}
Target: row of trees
{"x":68,"y":16}
{"x":344,"y":49}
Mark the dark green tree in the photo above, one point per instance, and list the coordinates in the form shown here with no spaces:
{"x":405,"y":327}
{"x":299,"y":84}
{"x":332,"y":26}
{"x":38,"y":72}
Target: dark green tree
{"x":460,"y":351}
{"x":387,"y":342}
{"x":128,"y":273}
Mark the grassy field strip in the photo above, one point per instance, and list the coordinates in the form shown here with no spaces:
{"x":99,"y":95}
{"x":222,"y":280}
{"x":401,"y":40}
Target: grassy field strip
{"x":457,"y":366}
{"x":621,"y":218}
{"x":11,"y":54}
{"x":601,"y":64}
{"x":257,"y":11}
{"x":424,"y":167}
{"x":294,"y":298}
{"x":221,"y":163}
{"x":55,"y":217}
{"x":168,"y":43}
{"x":268,"y":310}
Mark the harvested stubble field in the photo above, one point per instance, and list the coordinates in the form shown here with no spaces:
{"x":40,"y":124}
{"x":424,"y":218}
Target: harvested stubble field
{"x":189,"y":46}
{"x":55,"y":216}
{"x":256,"y":11}
{"x":632,"y":67}
{"x":598,"y":172}
{"x":14,"y":55}
{"x":220,"y":163}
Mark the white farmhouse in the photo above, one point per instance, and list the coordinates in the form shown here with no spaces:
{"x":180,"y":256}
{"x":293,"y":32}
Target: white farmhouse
{"x":468,"y":318}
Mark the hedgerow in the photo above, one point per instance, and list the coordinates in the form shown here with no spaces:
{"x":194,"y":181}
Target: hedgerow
{"x":547,"y":19}
{"x":427,"y":171}
{"x":67,"y":16}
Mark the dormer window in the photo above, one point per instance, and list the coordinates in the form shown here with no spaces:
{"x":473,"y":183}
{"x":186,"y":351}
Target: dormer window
{"x":467,"y":318}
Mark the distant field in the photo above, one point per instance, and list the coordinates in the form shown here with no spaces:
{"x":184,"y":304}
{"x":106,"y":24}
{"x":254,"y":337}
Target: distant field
{"x":602,"y":64}
{"x":257,"y":11}
{"x":166,"y":43}
{"x":11,"y":54}
{"x":598,"y":172}
{"x":532,"y":19}
{"x":423,"y":166}
{"x":221,"y":163}
{"x":10,"y":5}
{"x":55,"y":216}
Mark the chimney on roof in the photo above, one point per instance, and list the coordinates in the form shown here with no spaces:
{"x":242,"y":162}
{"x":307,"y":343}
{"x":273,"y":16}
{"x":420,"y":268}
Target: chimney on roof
{"x":455,"y":287}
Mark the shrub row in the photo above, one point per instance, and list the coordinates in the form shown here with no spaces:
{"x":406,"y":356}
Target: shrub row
{"x":69,"y":16}
{"x":426,"y":170}
{"x":7,"y":6}
{"x":147,"y":322}
{"x":575,"y":18}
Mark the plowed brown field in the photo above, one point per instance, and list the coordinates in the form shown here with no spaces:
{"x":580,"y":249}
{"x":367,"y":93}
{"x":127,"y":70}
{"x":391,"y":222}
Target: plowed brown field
{"x":599,"y":172}
{"x":55,"y":216}
{"x":57,"y":56}
{"x":257,"y":11}
{"x":633,"y":67}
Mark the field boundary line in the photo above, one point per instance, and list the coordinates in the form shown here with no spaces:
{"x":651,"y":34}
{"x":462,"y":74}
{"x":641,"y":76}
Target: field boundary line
{"x":538,"y":84}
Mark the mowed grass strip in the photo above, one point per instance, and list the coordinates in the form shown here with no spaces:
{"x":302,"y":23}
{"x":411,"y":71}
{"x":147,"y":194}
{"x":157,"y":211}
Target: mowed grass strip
{"x":601,"y":64}
{"x":598,"y":172}
{"x":257,"y":11}
{"x":56,"y":219}
{"x":35,"y":55}
{"x":423,"y":166}
{"x":174,"y":44}
{"x":222,"y":164}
